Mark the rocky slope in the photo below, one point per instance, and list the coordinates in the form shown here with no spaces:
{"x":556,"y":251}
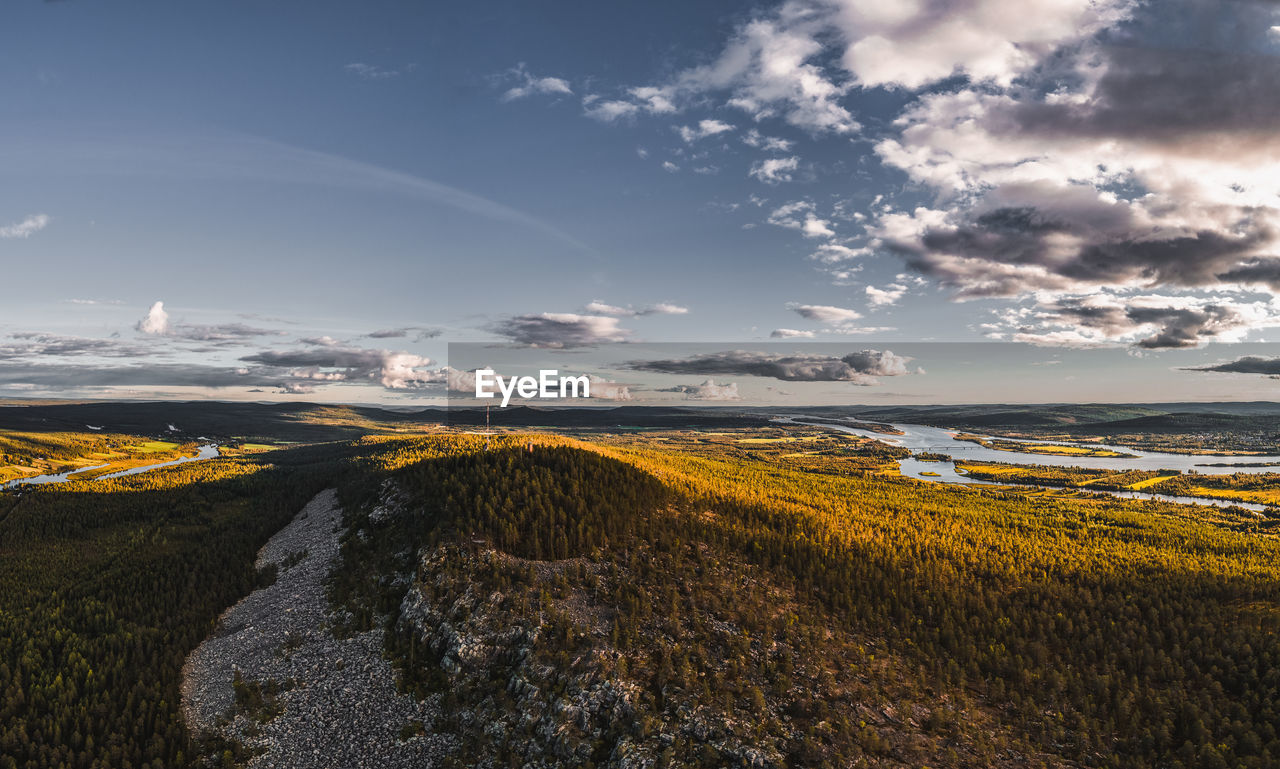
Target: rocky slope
{"x":274,"y":687}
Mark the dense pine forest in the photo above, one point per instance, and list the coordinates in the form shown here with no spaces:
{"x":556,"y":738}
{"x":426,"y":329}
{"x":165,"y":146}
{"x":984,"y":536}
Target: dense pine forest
{"x":1101,"y":633}
{"x":106,"y":586}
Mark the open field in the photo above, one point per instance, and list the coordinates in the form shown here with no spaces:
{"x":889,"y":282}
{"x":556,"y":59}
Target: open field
{"x":156,"y":446}
{"x":1148,"y":482}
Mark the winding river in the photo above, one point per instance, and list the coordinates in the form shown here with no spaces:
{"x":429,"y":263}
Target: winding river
{"x":205,"y":451}
{"x":922,"y":438}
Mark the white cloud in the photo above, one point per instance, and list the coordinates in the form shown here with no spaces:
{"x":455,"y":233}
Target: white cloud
{"x":774,"y":170}
{"x":833,"y":253}
{"x":155,"y":322}
{"x":754,"y":138}
{"x":1085,"y":148}
{"x":528,"y":84}
{"x":768,"y":68}
{"x":400,"y":370}
{"x":665,"y":308}
{"x":884,"y":297}
{"x":775,"y":64}
{"x":657,"y":100}
{"x":702,"y":130}
{"x":1067,"y":197}
{"x":607,"y":110}
{"x":799,"y":215}
{"x":913,"y":44}
{"x":814,"y":227}
{"x":824,"y":313}
{"x":370,"y":71}
{"x":609,"y":390}
{"x":851,"y":330}
{"x":670,"y":167}
{"x":94,"y":301}
{"x":457,"y":381}
{"x":598,"y":307}
{"x":791,"y":333}
{"x":710,"y":391}
{"x":25,"y":228}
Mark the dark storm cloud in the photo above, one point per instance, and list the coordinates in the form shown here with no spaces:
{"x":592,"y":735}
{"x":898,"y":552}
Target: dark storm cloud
{"x":1250,"y":364}
{"x":36,"y":343}
{"x":1173,"y":72}
{"x":858,"y":367}
{"x":1109,"y":246}
{"x":393,"y":374}
{"x":291,"y":371}
{"x":332,"y":363}
{"x":419,"y":333}
{"x":324,"y":357}
{"x":71,"y":376}
{"x":560,"y":329}
{"x":1153,"y":325}
{"x":1182,"y":327}
{"x":222,"y":332}
{"x":1163,"y":95}
{"x":1260,"y":271}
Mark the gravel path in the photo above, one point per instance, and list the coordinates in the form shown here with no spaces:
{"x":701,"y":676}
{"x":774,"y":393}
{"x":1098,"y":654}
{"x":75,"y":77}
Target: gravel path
{"x":344,"y":710}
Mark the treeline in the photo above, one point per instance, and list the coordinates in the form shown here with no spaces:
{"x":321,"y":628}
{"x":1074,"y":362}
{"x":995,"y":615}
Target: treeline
{"x":1190,"y":484}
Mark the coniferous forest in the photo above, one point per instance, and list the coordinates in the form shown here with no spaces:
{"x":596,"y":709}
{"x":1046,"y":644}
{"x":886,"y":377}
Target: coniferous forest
{"x":106,"y":586}
{"x":819,"y":613}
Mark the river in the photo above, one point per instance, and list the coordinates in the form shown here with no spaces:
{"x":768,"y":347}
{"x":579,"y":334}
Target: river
{"x":922,"y":438}
{"x":205,"y":451}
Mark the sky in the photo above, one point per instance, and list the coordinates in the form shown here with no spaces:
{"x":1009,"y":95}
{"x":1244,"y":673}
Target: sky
{"x":313,"y":200}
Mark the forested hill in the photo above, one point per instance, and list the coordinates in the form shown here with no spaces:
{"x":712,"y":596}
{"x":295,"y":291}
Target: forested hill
{"x":584,"y":608}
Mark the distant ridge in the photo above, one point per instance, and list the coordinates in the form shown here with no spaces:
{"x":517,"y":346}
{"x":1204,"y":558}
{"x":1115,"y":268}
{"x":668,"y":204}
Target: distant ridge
{"x":309,"y":422}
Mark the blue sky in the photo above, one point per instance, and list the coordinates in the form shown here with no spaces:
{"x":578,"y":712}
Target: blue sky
{"x":323,"y":194}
